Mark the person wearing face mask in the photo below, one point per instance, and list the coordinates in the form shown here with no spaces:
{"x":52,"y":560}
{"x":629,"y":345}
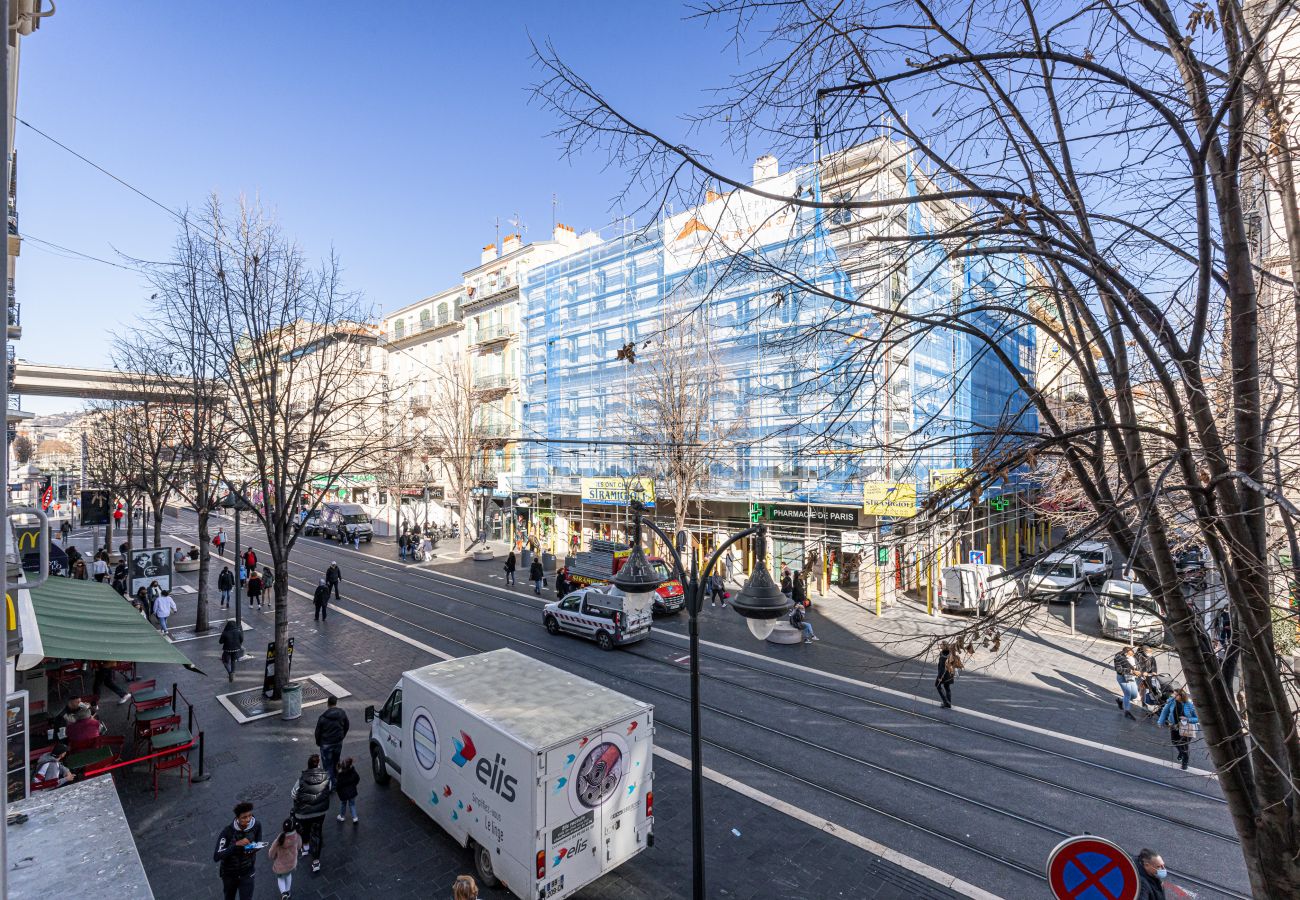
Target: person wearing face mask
{"x":1151,"y":875}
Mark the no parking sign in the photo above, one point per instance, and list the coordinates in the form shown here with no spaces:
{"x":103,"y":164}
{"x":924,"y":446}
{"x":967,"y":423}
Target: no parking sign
{"x":1091,"y":868}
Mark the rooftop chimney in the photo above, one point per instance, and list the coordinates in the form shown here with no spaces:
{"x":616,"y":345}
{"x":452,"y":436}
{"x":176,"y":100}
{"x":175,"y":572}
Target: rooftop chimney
{"x":510,"y":244}
{"x":765,"y":167}
{"x":489,"y":253}
{"x":565,"y":235}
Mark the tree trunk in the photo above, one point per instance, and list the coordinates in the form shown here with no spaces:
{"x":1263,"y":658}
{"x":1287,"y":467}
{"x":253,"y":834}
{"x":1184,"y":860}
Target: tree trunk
{"x":205,"y":557}
{"x":130,"y":523}
{"x":281,"y":620}
{"x":157,"y":524}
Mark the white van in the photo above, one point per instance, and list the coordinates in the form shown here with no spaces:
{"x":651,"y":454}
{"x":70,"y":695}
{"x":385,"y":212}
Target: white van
{"x":1057,"y":576}
{"x":546,"y":776}
{"x":1098,"y":561}
{"x":976,"y":588}
{"x":1128,"y":613}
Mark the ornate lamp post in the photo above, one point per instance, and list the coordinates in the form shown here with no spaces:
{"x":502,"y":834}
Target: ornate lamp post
{"x":760,"y":602}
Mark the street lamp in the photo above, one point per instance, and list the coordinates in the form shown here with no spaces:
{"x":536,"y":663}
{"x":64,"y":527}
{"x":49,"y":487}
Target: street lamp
{"x":235,"y":501}
{"x":761,"y":603}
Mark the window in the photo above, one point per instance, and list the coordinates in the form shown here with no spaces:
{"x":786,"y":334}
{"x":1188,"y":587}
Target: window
{"x":569,"y":604}
{"x":600,"y":282}
{"x":424,"y":318}
{"x":442,"y":314}
{"x":392,"y":711}
{"x":399,"y":329}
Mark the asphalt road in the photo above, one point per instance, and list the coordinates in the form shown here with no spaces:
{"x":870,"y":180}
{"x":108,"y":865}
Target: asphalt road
{"x":828,"y":732}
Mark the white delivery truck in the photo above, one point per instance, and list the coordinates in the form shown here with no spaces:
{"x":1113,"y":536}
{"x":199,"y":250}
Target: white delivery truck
{"x":976,"y":588}
{"x":546,"y":776}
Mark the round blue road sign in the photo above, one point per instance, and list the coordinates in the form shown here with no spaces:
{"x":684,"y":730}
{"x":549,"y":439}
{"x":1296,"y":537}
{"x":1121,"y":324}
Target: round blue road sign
{"x":1091,"y":868}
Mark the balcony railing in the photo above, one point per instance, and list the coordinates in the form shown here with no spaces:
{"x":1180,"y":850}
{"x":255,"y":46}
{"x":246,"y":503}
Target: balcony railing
{"x":494,"y":382}
{"x":419,"y":402}
{"x":496,"y":430}
{"x":15,"y":314}
{"x":487,"y":334}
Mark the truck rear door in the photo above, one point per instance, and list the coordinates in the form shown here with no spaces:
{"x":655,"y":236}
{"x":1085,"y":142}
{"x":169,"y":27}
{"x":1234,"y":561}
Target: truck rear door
{"x":571,"y":834}
{"x":626,"y":821}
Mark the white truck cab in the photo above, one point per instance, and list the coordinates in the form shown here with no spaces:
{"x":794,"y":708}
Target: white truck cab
{"x":1098,"y":561}
{"x":546,"y":776}
{"x":1057,"y":576}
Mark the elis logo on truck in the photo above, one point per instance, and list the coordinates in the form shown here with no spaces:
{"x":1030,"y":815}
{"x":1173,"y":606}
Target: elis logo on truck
{"x":465,"y":750}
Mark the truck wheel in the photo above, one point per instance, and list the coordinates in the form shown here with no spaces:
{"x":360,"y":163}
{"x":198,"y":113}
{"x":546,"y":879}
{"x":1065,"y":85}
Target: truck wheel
{"x":483,"y":865}
{"x":378,"y":767}
{"x":604,"y":641}
{"x":552,"y":625}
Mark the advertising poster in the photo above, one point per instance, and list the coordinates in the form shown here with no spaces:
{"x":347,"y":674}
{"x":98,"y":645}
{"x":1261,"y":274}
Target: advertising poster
{"x":150,"y":565}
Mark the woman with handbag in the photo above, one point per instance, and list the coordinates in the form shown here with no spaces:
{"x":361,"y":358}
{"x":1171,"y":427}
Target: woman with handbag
{"x":1180,"y":715}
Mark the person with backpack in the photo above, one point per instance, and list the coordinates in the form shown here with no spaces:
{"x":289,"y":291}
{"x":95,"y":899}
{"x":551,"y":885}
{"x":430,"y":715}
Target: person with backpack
{"x":331,"y":729}
{"x":268,"y":579}
{"x":536,"y":575}
{"x":510,"y":568}
{"x":311,"y":801}
{"x":232,"y":647}
{"x":1126,"y":676}
{"x":283,"y":853}
{"x":220,"y":542}
{"x":333,"y":578}
{"x":345,"y":786}
{"x":250,"y":560}
{"x":949,"y":664}
{"x":799,"y":619}
{"x":225,"y":584}
{"x":237,"y":847}
{"x":1180,"y":715}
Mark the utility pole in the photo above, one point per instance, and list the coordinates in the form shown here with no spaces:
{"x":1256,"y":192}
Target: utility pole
{"x":5,"y":529}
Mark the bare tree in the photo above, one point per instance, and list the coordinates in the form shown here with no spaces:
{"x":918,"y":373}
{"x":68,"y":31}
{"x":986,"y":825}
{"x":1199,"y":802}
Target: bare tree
{"x":676,"y":394}
{"x":303,"y":400}
{"x":107,"y":462}
{"x":455,"y":433}
{"x":22,"y":447}
{"x":1104,"y":154}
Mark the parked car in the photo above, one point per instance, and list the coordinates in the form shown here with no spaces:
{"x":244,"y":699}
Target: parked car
{"x":604,"y":615}
{"x":314,"y":523}
{"x":976,"y":588}
{"x":1098,"y":561}
{"x":346,"y":522}
{"x":1057,"y":576}
{"x":1128,"y":613}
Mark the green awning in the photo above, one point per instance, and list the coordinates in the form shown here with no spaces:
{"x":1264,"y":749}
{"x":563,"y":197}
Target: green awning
{"x":90,"y":620}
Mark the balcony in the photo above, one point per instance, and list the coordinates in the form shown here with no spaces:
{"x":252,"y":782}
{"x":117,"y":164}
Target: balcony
{"x":421,"y":330}
{"x":496,"y":430}
{"x":494,"y":383}
{"x":492,"y":334}
{"x":15,"y":320}
{"x":419,"y":403}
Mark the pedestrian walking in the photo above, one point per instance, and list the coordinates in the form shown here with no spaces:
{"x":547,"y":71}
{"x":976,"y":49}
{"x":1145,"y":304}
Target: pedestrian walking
{"x":225,"y":584}
{"x":1179,"y":714}
{"x":536,"y":575}
{"x":237,"y":847}
{"x":717,"y":590}
{"x":562,"y":584}
{"x":403,"y":541}
{"x":120,"y":581}
{"x":99,"y":568}
{"x":510,"y":568}
{"x":1151,"y":875}
{"x":799,"y":619}
{"x":311,"y":801}
{"x":465,"y":888}
{"x":949,"y":664}
{"x":320,"y":599}
{"x":220,"y":542}
{"x":65,"y":530}
{"x":106,"y":676}
{"x":250,"y":560}
{"x":333,"y":578}
{"x":268,"y":579}
{"x":283,"y":853}
{"x":799,"y":590}
{"x":232,"y":647}
{"x":1126,"y":676}
{"x":346,"y":782}
{"x":331,"y":729}
{"x":254,"y":590}
{"x":787,"y":583}
{"x":163,"y":607}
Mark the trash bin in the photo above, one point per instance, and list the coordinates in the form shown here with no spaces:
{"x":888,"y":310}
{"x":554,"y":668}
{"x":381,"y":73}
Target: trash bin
{"x":291,"y":697}
{"x":548,"y":562}
{"x":525,"y":560}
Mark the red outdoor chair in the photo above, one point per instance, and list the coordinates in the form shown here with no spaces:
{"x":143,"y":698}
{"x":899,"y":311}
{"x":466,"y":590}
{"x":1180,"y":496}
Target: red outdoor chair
{"x":145,"y":730}
{"x":136,"y":687}
{"x":43,"y":784}
{"x":65,"y":675}
{"x":174,"y":761}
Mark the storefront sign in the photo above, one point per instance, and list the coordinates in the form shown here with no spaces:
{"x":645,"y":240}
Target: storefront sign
{"x":889,"y":498}
{"x":853,"y":541}
{"x":615,"y":490}
{"x":818,"y":515}
{"x":949,"y":479}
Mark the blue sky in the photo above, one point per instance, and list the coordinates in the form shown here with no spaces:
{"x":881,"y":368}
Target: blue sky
{"x":394,"y":133}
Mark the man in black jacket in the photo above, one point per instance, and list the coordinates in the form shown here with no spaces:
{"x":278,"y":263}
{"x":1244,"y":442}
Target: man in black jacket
{"x":320,"y":599}
{"x":1151,"y":875}
{"x":333,"y":577}
{"x":225,"y":584}
{"x":331,"y":729}
{"x":311,"y":800}
{"x":237,"y":853}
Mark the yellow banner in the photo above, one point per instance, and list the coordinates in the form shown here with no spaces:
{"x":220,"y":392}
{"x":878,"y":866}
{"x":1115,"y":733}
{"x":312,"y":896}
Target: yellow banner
{"x":949,"y":479}
{"x":889,"y":498}
{"x":615,"y":490}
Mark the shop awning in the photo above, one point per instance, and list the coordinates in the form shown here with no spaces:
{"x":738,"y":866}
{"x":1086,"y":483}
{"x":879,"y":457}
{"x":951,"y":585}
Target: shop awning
{"x":89,"y":620}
